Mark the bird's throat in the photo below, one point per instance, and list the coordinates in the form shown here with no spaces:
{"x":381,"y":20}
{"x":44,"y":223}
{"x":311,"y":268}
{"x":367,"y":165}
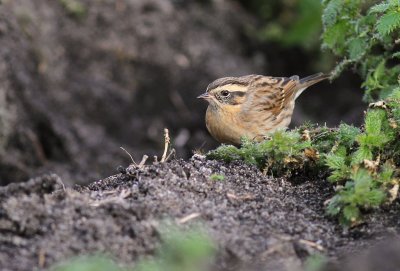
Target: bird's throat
{"x":223,"y":125}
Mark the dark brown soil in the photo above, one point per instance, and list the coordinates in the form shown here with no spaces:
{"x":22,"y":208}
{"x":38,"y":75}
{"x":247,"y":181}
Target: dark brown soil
{"x":258,"y":222}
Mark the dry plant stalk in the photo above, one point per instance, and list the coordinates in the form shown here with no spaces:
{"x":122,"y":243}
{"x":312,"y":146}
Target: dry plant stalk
{"x":165,"y":156}
{"x":144,"y":159}
{"x":188,"y":218}
{"x":167,"y":141}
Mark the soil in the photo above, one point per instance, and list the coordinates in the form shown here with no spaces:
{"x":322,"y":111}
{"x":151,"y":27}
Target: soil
{"x":257,"y":222}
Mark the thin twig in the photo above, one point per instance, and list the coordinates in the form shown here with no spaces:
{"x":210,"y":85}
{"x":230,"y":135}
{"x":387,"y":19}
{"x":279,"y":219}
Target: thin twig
{"x":133,"y":161}
{"x":172,"y":152}
{"x":41,"y":258}
{"x":312,"y":244}
{"x":188,"y":218}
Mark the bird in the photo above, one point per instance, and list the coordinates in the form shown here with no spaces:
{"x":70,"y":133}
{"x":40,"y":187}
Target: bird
{"x":252,"y":106}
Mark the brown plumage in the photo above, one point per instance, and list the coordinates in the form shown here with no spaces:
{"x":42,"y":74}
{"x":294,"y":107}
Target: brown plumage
{"x":252,"y":105}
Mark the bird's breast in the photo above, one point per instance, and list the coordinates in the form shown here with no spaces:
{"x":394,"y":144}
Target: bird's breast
{"x":225,"y":126}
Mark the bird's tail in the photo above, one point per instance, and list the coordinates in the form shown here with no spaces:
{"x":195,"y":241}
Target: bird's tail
{"x":313,"y":79}
{"x":310,"y":80}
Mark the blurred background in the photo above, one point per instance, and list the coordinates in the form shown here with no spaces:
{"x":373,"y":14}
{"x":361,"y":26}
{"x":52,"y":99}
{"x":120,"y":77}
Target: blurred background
{"x":80,"y":78}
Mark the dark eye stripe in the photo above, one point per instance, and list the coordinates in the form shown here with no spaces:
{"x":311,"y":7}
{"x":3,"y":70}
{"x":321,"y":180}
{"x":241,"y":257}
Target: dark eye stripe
{"x":238,"y":93}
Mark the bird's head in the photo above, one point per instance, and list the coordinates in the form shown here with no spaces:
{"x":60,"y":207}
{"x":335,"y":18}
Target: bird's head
{"x":227,"y":92}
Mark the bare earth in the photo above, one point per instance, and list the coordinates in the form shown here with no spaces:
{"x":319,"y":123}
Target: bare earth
{"x":258,"y":222}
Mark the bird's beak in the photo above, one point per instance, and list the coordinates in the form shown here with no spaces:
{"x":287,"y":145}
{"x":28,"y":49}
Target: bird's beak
{"x":205,"y":96}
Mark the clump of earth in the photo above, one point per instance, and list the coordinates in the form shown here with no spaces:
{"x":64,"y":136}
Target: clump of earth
{"x":257,"y":222}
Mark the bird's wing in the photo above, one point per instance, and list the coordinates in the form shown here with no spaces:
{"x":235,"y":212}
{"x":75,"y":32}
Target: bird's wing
{"x":273,"y":94}
{"x":270,"y":94}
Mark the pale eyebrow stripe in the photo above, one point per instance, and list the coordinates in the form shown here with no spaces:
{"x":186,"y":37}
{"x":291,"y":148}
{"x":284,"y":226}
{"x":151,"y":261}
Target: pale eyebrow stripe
{"x":231,"y":88}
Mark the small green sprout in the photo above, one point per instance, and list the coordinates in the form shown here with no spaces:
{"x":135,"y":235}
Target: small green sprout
{"x":181,"y":250}
{"x":315,"y":262}
{"x":88,"y":263}
{"x":74,"y":8}
{"x":217,"y":177}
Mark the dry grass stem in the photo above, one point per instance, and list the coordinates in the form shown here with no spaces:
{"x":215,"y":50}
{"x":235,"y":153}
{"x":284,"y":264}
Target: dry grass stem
{"x":133,"y":161}
{"x":188,"y":218}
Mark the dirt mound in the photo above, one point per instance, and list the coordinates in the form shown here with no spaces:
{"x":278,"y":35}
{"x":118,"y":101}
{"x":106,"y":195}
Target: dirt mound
{"x":79,"y":80}
{"x":258,"y":222}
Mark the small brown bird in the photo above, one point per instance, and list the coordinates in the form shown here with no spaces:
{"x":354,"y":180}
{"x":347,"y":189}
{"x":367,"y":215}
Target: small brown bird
{"x":252,"y":105}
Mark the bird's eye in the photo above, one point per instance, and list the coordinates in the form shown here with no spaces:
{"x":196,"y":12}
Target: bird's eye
{"x":225,"y":93}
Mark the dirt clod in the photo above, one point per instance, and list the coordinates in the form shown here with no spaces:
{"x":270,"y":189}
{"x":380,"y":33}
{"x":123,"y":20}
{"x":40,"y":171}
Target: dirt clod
{"x":258,"y":222}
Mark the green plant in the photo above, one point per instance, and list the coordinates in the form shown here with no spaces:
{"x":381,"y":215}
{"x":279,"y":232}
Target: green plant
{"x":217,"y":177}
{"x":189,"y":250}
{"x":365,"y":35}
{"x":181,"y":250}
{"x":74,"y":8}
{"x":290,"y":23}
{"x":88,"y":263}
{"x":315,"y":262}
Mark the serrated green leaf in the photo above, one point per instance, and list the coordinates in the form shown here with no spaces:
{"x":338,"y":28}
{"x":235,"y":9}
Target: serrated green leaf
{"x":394,"y":3}
{"x":396,"y":55}
{"x":374,"y":121}
{"x":382,"y":7}
{"x":362,"y":181}
{"x":357,"y":48}
{"x":351,"y":213}
{"x":385,"y":176}
{"x":334,"y":161}
{"x":334,"y":206}
{"x":388,"y":23}
{"x":347,"y":134}
{"x":361,"y":154}
{"x":372,"y":198}
{"x":334,"y":36}
{"x":331,"y":11}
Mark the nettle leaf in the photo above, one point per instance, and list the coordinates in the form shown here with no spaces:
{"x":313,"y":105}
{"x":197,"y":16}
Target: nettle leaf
{"x":387,"y":171}
{"x":347,"y":134}
{"x":357,"y":48}
{"x":362,"y":180}
{"x":395,"y":94}
{"x":375,"y":78}
{"x":363,"y":152}
{"x":335,"y":161}
{"x":334,"y":206}
{"x":334,"y":37}
{"x":351,"y":213}
{"x":394,"y":3}
{"x":382,"y":7}
{"x":396,"y":55}
{"x":388,"y":23}
{"x":374,"y":121}
{"x":331,"y":12}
